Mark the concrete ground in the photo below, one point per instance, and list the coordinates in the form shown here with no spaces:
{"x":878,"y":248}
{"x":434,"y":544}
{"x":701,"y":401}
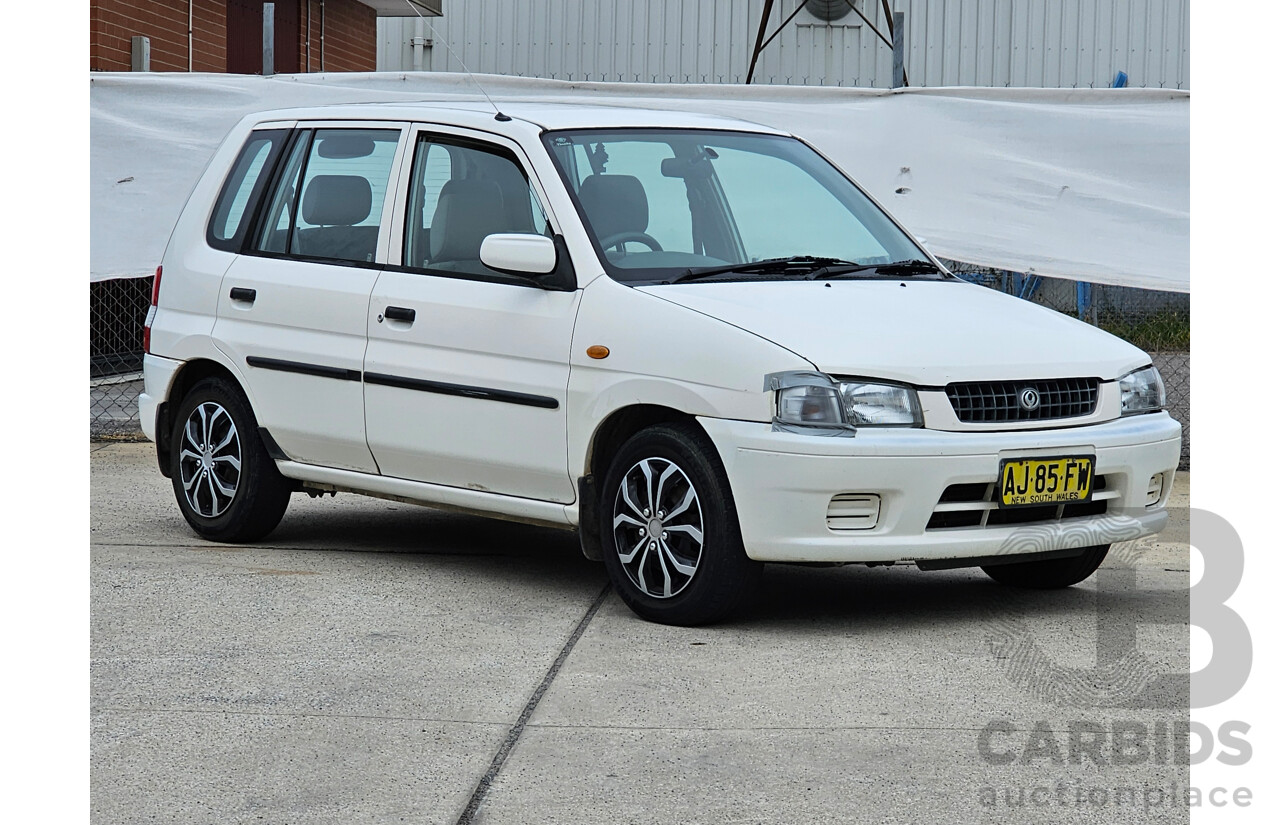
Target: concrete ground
{"x":379,"y":662}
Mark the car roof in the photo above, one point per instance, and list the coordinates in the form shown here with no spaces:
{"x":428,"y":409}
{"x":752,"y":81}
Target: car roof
{"x":538,"y":116}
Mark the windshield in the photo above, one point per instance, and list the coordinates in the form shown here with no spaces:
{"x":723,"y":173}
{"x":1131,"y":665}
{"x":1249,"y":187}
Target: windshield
{"x":664,"y":205}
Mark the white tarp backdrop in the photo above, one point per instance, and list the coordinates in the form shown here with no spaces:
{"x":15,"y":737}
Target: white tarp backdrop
{"x":1087,"y":184}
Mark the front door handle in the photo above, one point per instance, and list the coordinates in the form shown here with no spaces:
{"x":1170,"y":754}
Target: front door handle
{"x":239,"y":293}
{"x":400,"y":314}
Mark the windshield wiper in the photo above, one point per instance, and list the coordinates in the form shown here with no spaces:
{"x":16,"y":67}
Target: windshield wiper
{"x":897,"y":268}
{"x":795,"y":264}
{"x":808,"y":266}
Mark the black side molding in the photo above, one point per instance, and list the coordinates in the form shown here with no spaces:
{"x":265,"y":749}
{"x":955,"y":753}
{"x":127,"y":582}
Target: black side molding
{"x":483,"y":393}
{"x":305,"y":369}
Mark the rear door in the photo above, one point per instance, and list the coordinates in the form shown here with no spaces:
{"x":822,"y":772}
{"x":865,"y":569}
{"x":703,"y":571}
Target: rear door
{"x":467,"y":368}
{"x":293,"y":311}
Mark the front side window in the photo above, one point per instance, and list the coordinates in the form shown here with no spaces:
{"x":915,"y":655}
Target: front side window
{"x":328,"y":200}
{"x":461,"y":192}
{"x":661,"y":202}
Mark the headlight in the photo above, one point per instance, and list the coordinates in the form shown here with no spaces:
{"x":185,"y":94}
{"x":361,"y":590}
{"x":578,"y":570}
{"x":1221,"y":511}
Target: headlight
{"x":880,"y":405}
{"x":1141,"y":391}
{"x":814,"y":403}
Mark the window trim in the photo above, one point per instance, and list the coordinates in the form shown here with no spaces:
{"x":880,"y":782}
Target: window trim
{"x":249,"y":244}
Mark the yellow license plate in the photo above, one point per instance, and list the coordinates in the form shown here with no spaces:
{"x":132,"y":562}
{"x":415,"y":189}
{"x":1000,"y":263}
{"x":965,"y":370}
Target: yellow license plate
{"x":1028,"y":482}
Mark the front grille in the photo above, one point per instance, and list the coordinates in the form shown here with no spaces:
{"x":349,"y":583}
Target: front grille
{"x":990,"y":402}
{"x":974,"y":505}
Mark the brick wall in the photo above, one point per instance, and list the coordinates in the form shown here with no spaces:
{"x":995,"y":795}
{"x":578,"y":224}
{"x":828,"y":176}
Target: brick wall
{"x":350,"y":36}
{"x":113,"y":22}
{"x":210,"y":36}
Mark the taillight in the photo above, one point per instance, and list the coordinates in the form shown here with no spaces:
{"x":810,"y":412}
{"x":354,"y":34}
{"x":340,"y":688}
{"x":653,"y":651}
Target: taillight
{"x":151,"y":313}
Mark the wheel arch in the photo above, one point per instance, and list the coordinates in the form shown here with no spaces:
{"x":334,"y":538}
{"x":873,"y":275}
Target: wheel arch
{"x":609,"y":436}
{"x":190,"y":374}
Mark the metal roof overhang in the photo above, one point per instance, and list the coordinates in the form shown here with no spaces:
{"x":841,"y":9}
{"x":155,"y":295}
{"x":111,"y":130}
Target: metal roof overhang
{"x":401,"y":8}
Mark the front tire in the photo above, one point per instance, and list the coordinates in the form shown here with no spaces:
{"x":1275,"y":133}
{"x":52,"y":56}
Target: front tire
{"x":669,"y":528}
{"x":227,"y":487}
{"x":1052,"y":574}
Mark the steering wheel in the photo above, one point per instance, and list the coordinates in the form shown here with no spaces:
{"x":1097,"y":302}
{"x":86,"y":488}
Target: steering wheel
{"x":622,"y":237}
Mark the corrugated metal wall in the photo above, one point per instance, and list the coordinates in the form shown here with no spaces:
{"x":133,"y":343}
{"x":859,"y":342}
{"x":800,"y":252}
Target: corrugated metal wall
{"x":1054,"y":43}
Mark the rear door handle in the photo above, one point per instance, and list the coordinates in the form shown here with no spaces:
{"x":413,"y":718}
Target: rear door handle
{"x":239,"y":293}
{"x":400,"y":314}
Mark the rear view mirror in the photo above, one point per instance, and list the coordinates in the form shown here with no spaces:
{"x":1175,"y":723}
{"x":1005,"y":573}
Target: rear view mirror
{"x":519,"y":254}
{"x":687,"y":168}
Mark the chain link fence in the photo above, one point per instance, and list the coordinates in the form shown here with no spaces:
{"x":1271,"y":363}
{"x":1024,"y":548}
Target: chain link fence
{"x":117,"y":312}
{"x":1158,"y":322}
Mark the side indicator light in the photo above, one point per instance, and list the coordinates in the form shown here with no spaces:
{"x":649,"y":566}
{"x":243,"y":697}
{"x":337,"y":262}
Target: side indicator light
{"x":596,"y":351}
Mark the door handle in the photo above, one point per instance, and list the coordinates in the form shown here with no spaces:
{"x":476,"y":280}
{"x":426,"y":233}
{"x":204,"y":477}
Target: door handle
{"x":239,"y":293}
{"x":400,"y":314}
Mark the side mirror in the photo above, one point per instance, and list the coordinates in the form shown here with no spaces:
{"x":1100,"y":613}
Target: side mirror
{"x":519,"y":254}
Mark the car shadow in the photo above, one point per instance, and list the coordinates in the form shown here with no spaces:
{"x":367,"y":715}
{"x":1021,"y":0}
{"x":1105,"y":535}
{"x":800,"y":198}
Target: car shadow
{"x":872,"y":600}
{"x":854,"y":597}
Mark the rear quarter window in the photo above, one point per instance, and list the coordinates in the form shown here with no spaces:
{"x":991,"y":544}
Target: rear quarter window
{"x":242,"y":189}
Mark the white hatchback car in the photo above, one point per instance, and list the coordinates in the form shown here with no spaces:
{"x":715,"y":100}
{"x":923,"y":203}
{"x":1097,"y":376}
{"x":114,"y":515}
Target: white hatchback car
{"x":693,"y":339}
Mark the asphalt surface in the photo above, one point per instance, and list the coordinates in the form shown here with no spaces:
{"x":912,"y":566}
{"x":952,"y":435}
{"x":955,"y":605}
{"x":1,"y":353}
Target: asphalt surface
{"x":379,"y":662}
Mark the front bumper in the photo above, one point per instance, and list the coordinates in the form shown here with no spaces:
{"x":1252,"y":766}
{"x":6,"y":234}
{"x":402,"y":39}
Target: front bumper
{"x":783,"y":485}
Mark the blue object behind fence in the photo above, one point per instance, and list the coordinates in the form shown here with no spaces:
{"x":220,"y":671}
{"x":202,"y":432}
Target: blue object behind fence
{"x":1084,"y":298}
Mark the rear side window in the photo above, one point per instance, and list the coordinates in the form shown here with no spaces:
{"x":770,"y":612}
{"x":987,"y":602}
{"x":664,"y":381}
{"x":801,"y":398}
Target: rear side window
{"x":243,"y":188}
{"x":328,"y":202}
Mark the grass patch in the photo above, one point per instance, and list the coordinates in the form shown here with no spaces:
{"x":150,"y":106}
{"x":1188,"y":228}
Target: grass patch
{"x":1166,"y":331}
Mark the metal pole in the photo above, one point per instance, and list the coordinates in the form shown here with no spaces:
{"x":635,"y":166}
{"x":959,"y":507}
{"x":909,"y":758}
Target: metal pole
{"x":755,"y":53}
{"x":416,"y":42}
{"x":268,"y":39}
{"x":899,"y":47}
{"x":140,"y":53}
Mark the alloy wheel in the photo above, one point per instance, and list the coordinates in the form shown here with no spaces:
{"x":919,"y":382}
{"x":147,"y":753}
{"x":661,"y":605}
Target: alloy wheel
{"x":658,"y":527}
{"x":210,"y":458}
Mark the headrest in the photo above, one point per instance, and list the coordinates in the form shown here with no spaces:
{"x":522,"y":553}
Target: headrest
{"x":337,"y":200}
{"x":614,"y":204}
{"x":467,"y":212}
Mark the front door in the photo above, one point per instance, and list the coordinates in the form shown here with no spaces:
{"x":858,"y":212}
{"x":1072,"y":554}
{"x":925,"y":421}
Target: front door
{"x":467,"y":368}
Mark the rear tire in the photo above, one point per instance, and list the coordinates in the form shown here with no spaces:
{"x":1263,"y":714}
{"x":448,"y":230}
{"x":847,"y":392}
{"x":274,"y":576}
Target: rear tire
{"x":669,"y":529}
{"x":1052,"y":574}
{"x":227,"y":487}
